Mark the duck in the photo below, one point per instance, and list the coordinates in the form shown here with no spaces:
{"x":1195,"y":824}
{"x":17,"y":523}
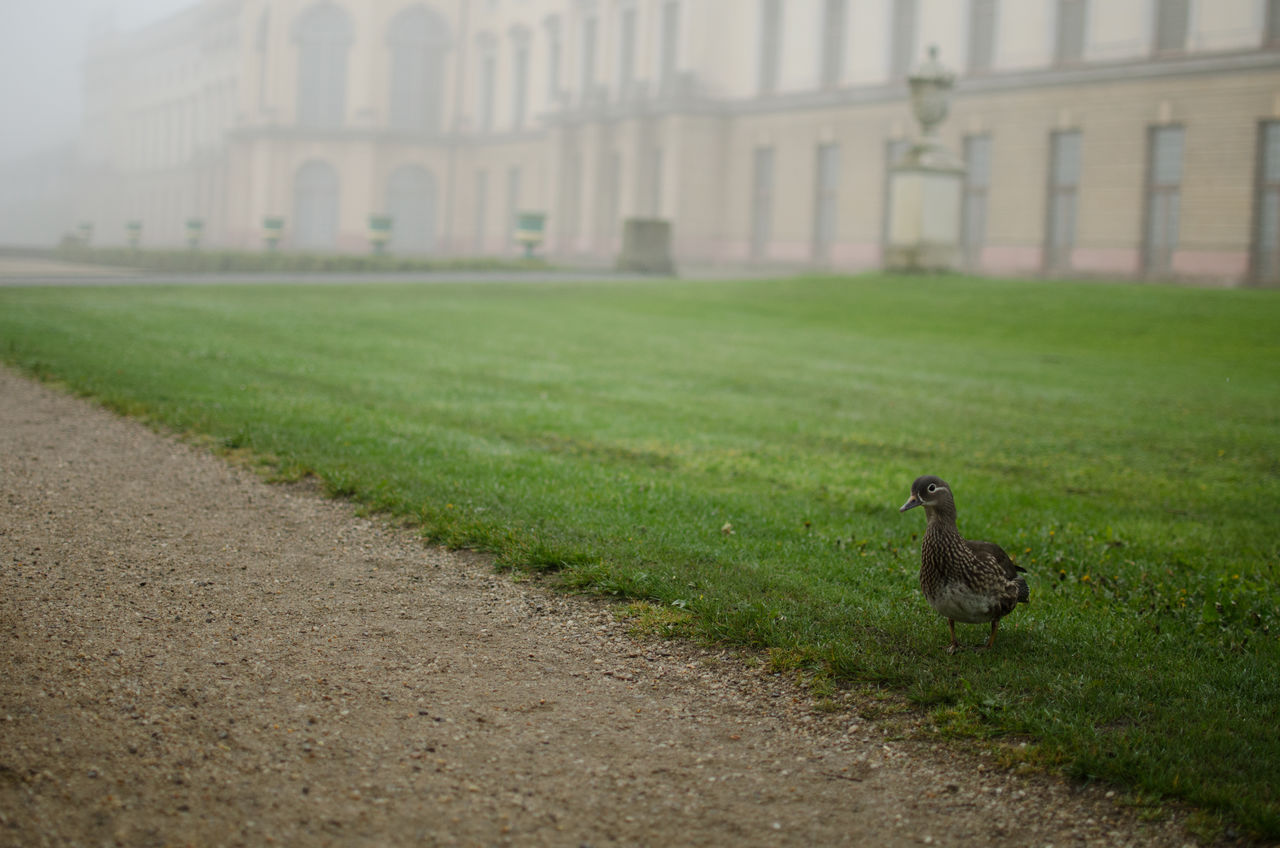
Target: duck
{"x":964,"y":580}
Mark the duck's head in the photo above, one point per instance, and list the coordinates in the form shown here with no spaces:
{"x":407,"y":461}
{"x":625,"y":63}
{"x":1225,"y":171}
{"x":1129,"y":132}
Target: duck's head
{"x":930,"y":492}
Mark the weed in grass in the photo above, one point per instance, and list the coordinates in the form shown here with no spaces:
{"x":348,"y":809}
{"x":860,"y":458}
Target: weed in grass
{"x":649,"y":620}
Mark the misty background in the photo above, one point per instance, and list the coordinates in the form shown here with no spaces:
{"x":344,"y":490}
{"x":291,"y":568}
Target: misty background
{"x":1133,"y":138}
{"x":42,"y":50}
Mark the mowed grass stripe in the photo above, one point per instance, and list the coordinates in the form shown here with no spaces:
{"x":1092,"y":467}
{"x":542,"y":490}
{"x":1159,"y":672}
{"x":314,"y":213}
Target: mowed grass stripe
{"x":1121,"y":441}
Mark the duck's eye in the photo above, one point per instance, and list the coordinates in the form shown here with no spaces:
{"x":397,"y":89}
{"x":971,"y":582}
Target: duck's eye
{"x":933,"y":487}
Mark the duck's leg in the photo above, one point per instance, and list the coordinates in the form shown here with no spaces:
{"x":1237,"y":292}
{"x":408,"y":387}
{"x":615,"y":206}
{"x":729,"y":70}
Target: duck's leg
{"x":994,"y":624}
{"x":954,"y":646}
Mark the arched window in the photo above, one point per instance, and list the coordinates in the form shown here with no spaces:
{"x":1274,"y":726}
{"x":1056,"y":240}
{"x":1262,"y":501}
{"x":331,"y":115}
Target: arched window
{"x":411,"y":203}
{"x":315,"y":206}
{"x":324,"y":35}
{"x":419,"y":40}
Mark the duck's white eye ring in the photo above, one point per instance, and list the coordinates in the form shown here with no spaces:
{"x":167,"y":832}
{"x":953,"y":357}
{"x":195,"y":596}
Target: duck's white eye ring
{"x":933,"y":488}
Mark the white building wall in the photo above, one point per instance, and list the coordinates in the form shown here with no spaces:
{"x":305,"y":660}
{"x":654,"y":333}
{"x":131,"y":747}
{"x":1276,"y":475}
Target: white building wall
{"x":177,"y":131}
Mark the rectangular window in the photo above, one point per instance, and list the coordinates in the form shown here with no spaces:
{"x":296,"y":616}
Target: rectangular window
{"x":610,"y":200}
{"x":488,"y":81}
{"x":770,"y":44}
{"x":1273,"y":23}
{"x":553,"y":60}
{"x":977,"y":159}
{"x":762,"y":202}
{"x":902,"y":55}
{"x":1064,"y":184}
{"x":261,"y":43}
{"x":1171,"y":25}
{"x":833,"y":24}
{"x":1266,"y":236}
{"x":408,"y":91}
{"x":588,"y":59}
{"x":513,"y":202}
{"x":572,"y":187}
{"x":670,"y":44}
{"x":1071,"y":28}
{"x":655,"y":182}
{"x":1164,"y":199}
{"x":826,"y":198}
{"x":982,"y":35}
{"x":627,"y":52}
{"x":520,"y":84}
{"x":322,"y":78}
{"x":482,"y":209}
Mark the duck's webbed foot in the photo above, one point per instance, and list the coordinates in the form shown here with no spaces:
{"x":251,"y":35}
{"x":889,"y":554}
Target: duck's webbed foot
{"x":954,"y":646}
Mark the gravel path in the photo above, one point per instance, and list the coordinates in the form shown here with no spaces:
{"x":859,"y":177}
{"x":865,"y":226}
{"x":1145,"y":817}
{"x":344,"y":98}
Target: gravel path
{"x":191,"y":656}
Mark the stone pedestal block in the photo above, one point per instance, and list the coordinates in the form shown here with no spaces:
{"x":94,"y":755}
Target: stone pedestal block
{"x":646,"y":246}
{"x":925,"y":195}
{"x":926,"y":185}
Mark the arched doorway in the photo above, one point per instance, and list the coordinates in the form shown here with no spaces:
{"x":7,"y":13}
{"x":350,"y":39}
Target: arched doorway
{"x":411,"y":203}
{"x":315,"y":207}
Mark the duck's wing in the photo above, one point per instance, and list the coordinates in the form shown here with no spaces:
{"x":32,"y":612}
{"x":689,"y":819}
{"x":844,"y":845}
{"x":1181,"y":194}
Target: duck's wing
{"x":994,"y":557}
{"x":992,"y":554}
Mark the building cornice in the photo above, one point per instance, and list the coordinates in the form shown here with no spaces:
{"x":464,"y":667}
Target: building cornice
{"x":695,"y":103}
{"x":358,"y":135}
{"x":1148,"y":68}
{"x":1109,"y":73}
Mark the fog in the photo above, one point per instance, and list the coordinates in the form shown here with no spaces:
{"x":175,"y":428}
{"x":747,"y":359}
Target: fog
{"x":42,"y":47}
{"x":1138,"y":139}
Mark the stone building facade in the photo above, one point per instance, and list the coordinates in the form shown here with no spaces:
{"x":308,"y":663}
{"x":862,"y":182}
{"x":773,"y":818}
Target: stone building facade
{"x":1120,"y":138}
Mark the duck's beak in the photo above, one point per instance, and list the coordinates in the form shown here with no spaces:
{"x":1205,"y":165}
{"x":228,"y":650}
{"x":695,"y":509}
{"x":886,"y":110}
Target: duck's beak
{"x":912,"y":501}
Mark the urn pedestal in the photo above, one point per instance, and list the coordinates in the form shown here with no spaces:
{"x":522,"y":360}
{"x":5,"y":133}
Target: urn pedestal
{"x":926,"y":184}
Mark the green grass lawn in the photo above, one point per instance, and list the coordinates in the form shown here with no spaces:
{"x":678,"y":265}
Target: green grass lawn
{"x":1121,"y":441}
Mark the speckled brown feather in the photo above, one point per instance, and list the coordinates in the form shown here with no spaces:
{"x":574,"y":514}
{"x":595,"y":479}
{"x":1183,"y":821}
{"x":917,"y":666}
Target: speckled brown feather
{"x":964,"y":580}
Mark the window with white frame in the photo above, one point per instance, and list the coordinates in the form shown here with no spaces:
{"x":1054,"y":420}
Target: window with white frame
{"x":1164,"y":199}
{"x":1172,"y":18}
{"x":1064,"y":187}
{"x":487,"y":81}
{"x":761,"y":202}
{"x":825,"y":201}
{"x":513,"y":202}
{"x":770,"y":45}
{"x":519,"y":77}
{"x":977,"y":182}
{"x":1266,"y":235}
{"x":833,"y":32}
{"x":982,"y":35}
{"x":481,"y":210}
{"x":1069,"y":44}
{"x":590,"y":26}
{"x":324,"y":35}
{"x":626,"y":51}
{"x":554,"y":58}
{"x":418,"y":40}
{"x":669,"y":45}
{"x":902,"y":39}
